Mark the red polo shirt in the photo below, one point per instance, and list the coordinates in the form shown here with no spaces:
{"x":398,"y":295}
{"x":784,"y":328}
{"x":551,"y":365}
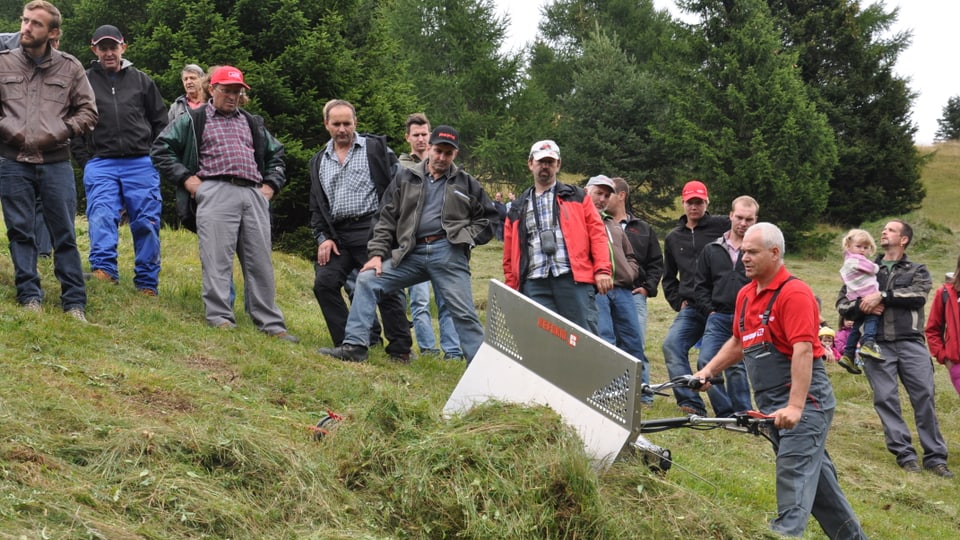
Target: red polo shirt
{"x":794,"y":318}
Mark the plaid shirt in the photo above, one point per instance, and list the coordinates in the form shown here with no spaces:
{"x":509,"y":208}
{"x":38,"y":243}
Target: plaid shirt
{"x":348,"y":187}
{"x":542,"y":266}
{"x":227,"y":147}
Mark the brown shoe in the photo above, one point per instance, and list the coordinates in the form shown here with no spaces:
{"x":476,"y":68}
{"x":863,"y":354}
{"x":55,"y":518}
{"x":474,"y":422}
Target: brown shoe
{"x":147,"y":292}
{"x":100,"y":275}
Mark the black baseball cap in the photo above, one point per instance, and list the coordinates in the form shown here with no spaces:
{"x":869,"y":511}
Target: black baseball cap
{"x":445,"y":135}
{"x":107,"y":31}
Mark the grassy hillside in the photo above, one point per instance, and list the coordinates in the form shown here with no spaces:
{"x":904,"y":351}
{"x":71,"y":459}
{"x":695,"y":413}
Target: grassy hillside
{"x":149,"y":424}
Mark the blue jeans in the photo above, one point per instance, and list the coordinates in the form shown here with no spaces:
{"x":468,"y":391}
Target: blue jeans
{"x":449,"y":340}
{"x":861,"y":332}
{"x":573,"y":301}
{"x":619,"y":326}
{"x":423,"y":323}
{"x":734,"y":394}
{"x":640,"y":301}
{"x":686,"y":330}
{"x":21,"y":184}
{"x":446,"y":265}
{"x":115,"y":184}
{"x":419,"y":299}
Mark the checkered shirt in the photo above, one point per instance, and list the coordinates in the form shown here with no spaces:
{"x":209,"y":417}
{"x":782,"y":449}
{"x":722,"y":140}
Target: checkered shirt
{"x":348,"y":187}
{"x":227,"y":147}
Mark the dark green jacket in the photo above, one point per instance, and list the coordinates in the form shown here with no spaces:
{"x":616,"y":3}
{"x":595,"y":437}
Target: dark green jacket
{"x":176,"y":155}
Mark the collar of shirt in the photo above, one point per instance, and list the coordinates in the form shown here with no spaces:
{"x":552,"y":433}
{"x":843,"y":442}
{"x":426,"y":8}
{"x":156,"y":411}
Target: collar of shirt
{"x":358,"y":141}
{"x":213,"y":111}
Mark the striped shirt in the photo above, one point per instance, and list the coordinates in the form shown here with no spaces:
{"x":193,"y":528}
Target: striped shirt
{"x":348,"y":186}
{"x":227,"y":147}
{"x":541,"y":265}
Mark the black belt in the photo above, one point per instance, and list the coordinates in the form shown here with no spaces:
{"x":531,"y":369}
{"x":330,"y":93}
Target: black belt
{"x":431,"y":239}
{"x":354,"y":219}
{"x":235,"y":180}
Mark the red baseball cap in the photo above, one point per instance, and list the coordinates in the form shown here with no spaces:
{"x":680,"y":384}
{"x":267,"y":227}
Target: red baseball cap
{"x":695,"y":189}
{"x":228,"y":75}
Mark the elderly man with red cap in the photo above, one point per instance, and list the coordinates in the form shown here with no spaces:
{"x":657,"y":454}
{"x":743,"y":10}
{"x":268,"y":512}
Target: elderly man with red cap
{"x":695,"y":229}
{"x":226,"y":160}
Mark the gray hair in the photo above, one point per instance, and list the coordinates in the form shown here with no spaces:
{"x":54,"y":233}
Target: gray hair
{"x":771,"y":235}
{"x":193,"y":68}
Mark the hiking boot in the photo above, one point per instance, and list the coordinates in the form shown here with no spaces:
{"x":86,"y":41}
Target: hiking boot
{"x":913,"y":467}
{"x":402,"y":358}
{"x":848,"y":364}
{"x":870,"y":350}
{"x":941,"y":470}
{"x":100,"y":275}
{"x":78,"y":314}
{"x":285,"y":337}
{"x":346,"y":352}
{"x":32,"y":305}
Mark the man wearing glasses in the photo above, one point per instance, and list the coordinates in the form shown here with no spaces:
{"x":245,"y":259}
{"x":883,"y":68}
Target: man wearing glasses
{"x":115,"y":158}
{"x":36,"y":132}
{"x":695,"y":229}
{"x":225,"y":158}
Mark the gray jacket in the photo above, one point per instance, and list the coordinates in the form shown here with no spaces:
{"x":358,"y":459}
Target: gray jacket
{"x":466,"y":217}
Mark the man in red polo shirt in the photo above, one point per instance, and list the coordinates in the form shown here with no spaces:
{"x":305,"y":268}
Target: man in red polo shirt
{"x":783,"y":357}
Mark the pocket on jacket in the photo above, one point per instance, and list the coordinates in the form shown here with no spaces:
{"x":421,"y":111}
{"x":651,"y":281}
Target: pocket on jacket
{"x":11,"y":86}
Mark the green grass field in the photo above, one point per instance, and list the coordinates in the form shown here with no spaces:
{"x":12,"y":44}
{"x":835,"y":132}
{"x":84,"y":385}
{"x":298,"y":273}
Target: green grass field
{"x":150,"y":424}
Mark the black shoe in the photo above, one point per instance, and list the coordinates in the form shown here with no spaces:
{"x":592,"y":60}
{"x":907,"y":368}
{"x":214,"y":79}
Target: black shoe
{"x":940,"y":470}
{"x":913,"y":467}
{"x":346,"y":352}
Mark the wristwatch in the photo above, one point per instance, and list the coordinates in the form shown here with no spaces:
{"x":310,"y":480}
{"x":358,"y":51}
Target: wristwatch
{"x":883,"y":295}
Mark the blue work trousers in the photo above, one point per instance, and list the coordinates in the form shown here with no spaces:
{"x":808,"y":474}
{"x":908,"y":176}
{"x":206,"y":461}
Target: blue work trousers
{"x":114,"y":185}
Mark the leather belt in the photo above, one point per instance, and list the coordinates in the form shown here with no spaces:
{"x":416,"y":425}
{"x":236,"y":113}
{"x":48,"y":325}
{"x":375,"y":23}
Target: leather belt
{"x":353,"y":219}
{"x":431,"y":239}
{"x":235,"y":180}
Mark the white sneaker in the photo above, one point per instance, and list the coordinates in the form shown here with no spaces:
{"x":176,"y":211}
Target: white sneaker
{"x":78,"y":314}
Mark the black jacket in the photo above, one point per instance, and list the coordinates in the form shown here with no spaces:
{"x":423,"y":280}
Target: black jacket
{"x":383,"y":166}
{"x":680,"y":250}
{"x":717,"y":280}
{"x":646,"y":247}
{"x":132,"y":114}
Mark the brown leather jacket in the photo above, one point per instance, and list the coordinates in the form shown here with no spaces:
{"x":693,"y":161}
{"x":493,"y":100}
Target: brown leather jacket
{"x":42,"y":105}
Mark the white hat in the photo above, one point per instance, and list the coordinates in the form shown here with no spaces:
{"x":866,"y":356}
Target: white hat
{"x":544,"y":149}
{"x":601,"y":180}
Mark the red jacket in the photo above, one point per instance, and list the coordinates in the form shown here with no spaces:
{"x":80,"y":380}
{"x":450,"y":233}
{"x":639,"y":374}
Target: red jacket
{"x":583,"y":233}
{"x":943,"y":326}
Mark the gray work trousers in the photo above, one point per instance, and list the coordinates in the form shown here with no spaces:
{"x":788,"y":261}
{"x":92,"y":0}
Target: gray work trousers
{"x":236,"y":220}
{"x":909,"y":360}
